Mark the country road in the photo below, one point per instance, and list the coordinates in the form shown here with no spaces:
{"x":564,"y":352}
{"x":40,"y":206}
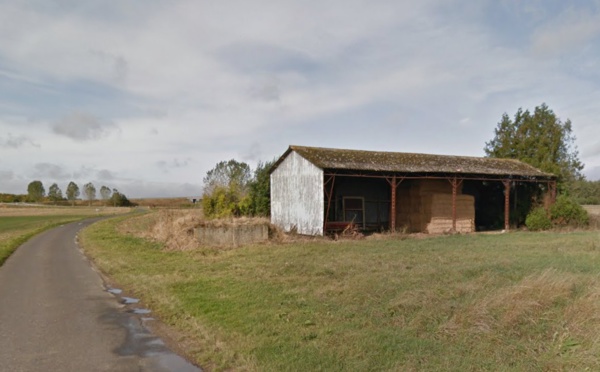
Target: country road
{"x":56,"y":314}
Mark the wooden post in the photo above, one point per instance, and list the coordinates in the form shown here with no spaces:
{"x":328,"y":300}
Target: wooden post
{"x":506,"y":204}
{"x":393,"y":205}
{"x":454,"y":183}
{"x":328,"y":195}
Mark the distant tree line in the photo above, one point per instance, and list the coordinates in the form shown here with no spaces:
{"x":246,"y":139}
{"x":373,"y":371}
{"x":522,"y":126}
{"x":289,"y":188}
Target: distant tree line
{"x":36,"y":193}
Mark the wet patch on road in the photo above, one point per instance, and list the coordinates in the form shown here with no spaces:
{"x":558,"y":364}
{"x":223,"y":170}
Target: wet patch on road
{"x":139,"y":311}
{"x":114,"y":291}
{"x":129,"y":300}
{"x":139,"y":341}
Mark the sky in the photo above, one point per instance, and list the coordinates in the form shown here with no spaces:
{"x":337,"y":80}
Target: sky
{"x":147,"y":96}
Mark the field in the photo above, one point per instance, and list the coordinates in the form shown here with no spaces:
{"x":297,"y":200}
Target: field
{"x":593,"y":209}
{"x":19,"y":223}
{"x":515,"y":301}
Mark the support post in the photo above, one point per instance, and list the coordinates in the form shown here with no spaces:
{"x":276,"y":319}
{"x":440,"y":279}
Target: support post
{"x":506,"y":205}
{"x":393,"y":205}
{"x":328,"y":195}
{"x":454,"y":183}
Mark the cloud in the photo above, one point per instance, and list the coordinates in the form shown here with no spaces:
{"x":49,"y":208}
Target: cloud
{"x":166,"y":166}
{"x":12,"y":183}
{"x":593,"y":174}
{"x":252,"y":152}
{"x":84,"y":172}
{"x":194,"y":83}
{"x":566,"y":32}
{"x":116,"y":66}
{"x":15,"y":142}
{"x":51,"y":171}
{"x":82,"y":126}
{"x":105,"y":175}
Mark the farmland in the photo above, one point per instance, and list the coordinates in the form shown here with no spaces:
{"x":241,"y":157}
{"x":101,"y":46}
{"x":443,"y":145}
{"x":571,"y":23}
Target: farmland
{"x":20,"y":222}
{"x":515,"y":301}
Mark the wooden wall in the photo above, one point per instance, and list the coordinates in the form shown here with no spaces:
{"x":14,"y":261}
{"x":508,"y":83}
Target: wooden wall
{"x":297,"y":196}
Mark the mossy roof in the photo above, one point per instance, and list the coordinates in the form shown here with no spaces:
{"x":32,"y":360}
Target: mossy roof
{"x":403,"y":162}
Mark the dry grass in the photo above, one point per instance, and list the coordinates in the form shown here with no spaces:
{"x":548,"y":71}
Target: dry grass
{"x":175,"y":228}
{"x":165,"y":202}
{"x":592,"y":209}
{"x":39,"y":210}
{"x":594,"y":213}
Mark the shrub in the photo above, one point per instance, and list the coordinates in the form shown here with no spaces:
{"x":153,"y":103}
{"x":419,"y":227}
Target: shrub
{"x":566,"y":212}
{"x":538,"y":220}
{"x":225,"y":202}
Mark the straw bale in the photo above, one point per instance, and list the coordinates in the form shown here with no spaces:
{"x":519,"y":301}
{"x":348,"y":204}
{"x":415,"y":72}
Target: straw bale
{"x":441,"y":225}
{"x":425,"y":200}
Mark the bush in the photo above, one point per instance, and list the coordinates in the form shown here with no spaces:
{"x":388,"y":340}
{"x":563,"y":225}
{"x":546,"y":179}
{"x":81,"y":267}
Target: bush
{"x":224,"y":202}
{"x":566,"y":212}
{"x":538,"y":220}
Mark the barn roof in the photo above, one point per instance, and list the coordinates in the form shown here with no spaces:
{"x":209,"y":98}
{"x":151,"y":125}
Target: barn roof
{"x":402,"y":162}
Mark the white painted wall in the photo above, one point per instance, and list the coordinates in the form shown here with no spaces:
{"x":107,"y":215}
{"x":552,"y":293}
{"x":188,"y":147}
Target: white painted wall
{"x":297,"y":197}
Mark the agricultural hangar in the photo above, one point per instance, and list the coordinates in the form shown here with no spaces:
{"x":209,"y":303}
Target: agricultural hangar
{"x":318,"y":190}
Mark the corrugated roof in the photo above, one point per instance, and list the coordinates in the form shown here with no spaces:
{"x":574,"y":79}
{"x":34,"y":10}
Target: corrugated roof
{"x":402,"y":162}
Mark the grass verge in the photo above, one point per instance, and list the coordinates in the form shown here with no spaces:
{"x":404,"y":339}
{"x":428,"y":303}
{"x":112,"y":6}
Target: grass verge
{"x":15,"y":231}
{"x":19,"y":223}
{"x":518,"y":301}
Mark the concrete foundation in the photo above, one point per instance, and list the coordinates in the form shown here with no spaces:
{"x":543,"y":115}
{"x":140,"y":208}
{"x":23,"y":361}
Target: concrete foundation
{"x":232,"y":235}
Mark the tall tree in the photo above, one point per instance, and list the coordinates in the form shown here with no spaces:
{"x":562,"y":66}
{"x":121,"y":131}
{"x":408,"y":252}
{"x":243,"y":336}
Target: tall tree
{"x":105,"y":193}
{"x":260,"y":190}
{"x":540,"y":139}
{"x":55,"y":193}
{"x":229,"y":174}
{"x":36,"y":191}
{"x":72,"y":192}
{"x":90,"y":192}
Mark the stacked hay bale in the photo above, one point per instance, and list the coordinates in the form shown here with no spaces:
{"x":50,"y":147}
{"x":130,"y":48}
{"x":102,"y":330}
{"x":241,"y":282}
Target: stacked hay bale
{"x":426,"y":206}
{"x":440,"y":219}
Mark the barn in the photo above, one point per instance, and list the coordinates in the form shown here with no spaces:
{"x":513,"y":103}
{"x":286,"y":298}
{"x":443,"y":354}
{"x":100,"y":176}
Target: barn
{"x":318,"y":190}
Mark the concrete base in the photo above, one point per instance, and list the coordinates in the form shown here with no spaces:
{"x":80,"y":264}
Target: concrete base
{"x":232,"y":235}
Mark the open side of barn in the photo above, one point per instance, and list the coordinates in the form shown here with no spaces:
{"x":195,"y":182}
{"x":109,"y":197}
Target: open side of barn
{"x":319,"y":190}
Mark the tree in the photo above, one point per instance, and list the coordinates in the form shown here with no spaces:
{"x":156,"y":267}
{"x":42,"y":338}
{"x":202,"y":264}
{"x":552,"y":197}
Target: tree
{"x":90,"y":192}
{"x":228,"y":174}
{"x":586,"y":192}
{"x":120,"y":200}
{"x":226,"y":189}
{"x":72,"y":192}
{"x":36,"y":191}
{"x":540,"y":139}
{"x":105,"y":193}
{"x":260,"y":190}
{"x":55,"y":193}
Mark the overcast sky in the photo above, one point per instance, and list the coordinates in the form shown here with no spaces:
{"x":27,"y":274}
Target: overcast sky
{"x":147,"y":96}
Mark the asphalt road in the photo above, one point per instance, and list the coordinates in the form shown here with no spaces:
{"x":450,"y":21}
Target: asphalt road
{"x":56,"y":314}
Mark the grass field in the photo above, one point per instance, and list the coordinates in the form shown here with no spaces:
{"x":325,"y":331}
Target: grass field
{"x":19,"y":223}
{"x":517,"y":301}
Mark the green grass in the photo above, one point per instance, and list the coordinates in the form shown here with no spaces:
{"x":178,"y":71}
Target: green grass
{"x":518,"y":301}
{"x":16,"y":230}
